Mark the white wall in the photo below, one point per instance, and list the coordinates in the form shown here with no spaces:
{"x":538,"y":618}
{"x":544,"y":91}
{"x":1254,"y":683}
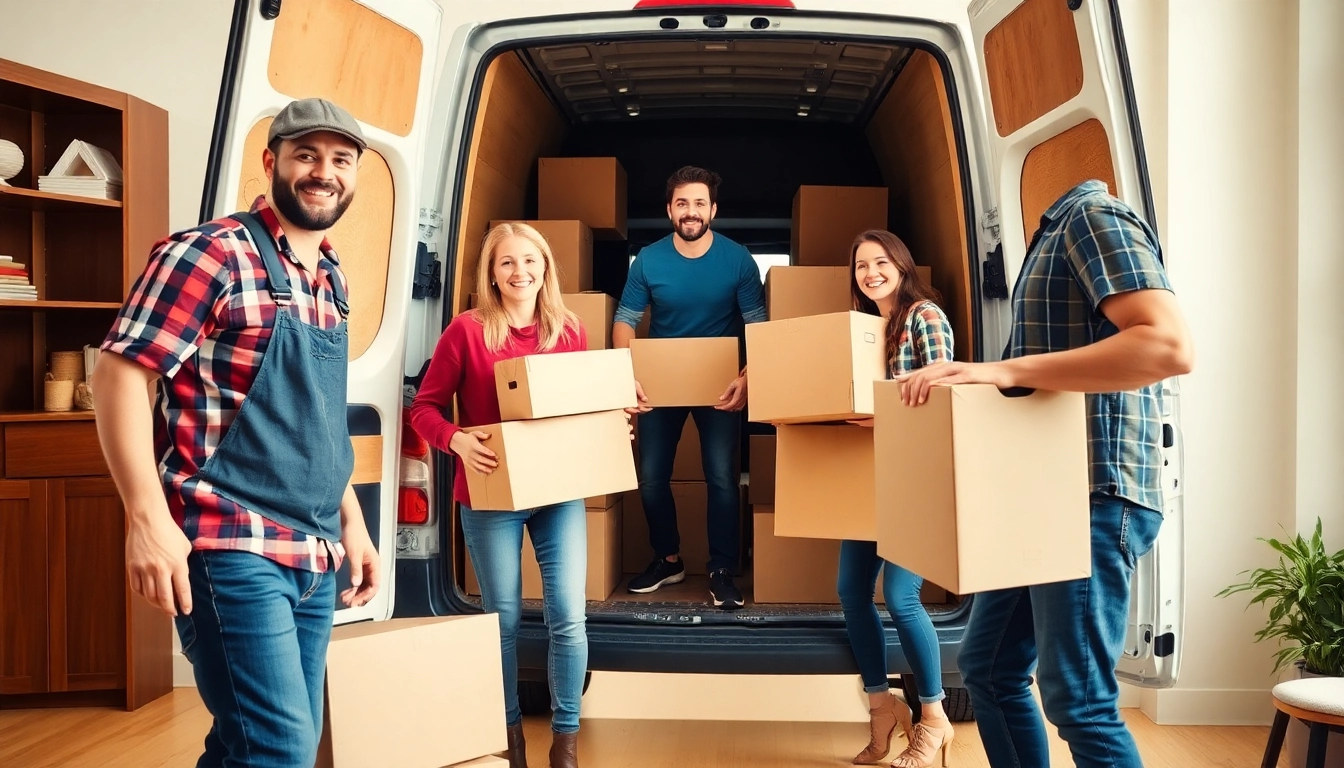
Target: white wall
{"x":1241,"y":110}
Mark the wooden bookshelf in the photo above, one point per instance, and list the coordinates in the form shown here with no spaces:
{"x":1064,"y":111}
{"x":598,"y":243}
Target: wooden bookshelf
{"x":71,"y":633}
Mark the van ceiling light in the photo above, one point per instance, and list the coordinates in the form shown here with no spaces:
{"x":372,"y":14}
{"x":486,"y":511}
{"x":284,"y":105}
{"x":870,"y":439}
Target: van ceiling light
{"x":721,"y":4}
{"x":811,"y":88}
{"x":623,"y":89}
{"x":803,"y":113}
{"x":632,"y":110}
{"x":716,"y":46}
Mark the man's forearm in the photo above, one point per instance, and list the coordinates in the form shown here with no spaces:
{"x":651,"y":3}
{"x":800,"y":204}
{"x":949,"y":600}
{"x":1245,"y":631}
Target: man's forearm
{"x":1134,"y":358}
{"x":621,"y":334}
{"x":351,"y":512}
{"x":125,"y":432}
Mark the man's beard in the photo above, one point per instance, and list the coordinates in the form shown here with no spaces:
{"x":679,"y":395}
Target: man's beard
{"x":690,"y":231}
{"x":285,"y":196}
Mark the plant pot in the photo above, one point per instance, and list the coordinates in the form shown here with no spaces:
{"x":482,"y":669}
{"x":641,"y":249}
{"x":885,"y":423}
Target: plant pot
{"x":1297,"y":737}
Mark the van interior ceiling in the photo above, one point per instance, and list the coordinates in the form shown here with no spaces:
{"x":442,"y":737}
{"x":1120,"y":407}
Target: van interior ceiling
{"x":766,"y":115}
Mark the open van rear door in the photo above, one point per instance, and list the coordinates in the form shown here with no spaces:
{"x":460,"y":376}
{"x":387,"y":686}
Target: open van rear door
{"x":1060,"y":110}
{"x":377,"y":59}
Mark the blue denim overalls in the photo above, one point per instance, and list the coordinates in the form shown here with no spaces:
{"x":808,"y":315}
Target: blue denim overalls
{"x":287,"y":455}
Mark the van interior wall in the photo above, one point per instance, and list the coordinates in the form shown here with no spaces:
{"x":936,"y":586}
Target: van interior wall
{"x":515,"y":124}
{"x":911,"y":136}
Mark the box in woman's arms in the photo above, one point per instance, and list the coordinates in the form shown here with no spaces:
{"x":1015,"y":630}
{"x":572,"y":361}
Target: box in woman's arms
{"x":564,"y":384}
{"x":815,"y":369}
{"x":980,"y":490}
{"x":547,"y":461}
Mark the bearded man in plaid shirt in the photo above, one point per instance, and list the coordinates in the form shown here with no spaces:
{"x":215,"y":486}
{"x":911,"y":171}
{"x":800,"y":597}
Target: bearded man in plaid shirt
{"x":236,"y":485}
{"x":1092,"y":312}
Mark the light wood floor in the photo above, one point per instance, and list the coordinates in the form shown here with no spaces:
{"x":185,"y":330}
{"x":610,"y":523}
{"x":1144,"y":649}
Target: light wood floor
{"x":168,"y":732}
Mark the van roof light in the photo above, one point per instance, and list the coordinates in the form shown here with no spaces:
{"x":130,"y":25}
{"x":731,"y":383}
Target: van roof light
{"x":642,"y":4}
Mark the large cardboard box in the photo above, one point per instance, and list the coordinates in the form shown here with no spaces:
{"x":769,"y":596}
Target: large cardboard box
{"x":994,"y":489}
{"x":827,"y":219}
{"x":453,"y":693}
{"x":761,"y":470}
{"x":692,"y":520}
{"x":604,"y":558}
{"x":565,"y":383}
{"x":590,"y":189}
{"x":546,"y":461}
{"x":804,"y":291}
{"x":597,"y":312}
{"x":695,"y":371}
{"x":571,"y":246}
{"x":791,"y":570}
{"x":814,"y":369}
{"x":824,"y":482}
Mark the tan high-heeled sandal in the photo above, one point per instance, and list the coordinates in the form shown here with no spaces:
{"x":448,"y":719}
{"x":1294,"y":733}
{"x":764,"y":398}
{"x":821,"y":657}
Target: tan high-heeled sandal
{"x":926,"y":742}
{"x":882,"y":723}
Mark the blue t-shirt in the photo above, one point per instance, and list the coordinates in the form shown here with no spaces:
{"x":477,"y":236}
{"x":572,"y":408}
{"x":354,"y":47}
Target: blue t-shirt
{"x":709,"y":296}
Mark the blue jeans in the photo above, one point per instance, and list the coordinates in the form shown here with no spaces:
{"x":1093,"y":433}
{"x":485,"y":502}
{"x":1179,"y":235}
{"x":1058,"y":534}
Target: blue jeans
{"x":257,"y":641}
{"x":859,"y":566}
{"x":1072,"y":633}
{"x":560,"y":538}
{"x":659,"y":433}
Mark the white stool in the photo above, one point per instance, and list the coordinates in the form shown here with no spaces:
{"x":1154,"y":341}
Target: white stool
{"x":1319,"y":703}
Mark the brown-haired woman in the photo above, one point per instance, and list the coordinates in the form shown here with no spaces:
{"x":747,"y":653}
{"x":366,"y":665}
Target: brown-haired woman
{"x":886,"y":283}
{"x":519,"y":313}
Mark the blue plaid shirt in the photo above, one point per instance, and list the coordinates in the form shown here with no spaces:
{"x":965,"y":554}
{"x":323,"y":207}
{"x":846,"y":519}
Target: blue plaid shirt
{"x":1091,"y":245}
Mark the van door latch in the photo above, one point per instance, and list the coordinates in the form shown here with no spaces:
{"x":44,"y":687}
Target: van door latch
{"x":428,"y":282}
{"x":994,"y":283}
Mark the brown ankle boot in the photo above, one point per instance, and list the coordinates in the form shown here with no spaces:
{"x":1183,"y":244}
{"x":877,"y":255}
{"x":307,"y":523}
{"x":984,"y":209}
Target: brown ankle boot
{"x":882,"y":723}
{"x":517,"y":747}
{"x":564,"y":750}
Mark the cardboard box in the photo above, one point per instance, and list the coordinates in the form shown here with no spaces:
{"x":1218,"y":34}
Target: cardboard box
{"x":761,"y":471}
{"x":590,"y":189}
{"x":691,"y":372}
{"x":995,"y":489}
{"x":827,"y":219}
{"x":604,"y":500}
{"x":824,"y":482}
{"x":571,"y":244}
{"x":604,"y":558}
{"x":597,"y":312}
{"x":692,"y":520}
{"x":791,"y":570}
{"x":805,"y":291}
{"x":564,"y":384}
{"x":814,"y":369}
{"x":450,"y":690}
{"x":546,"y":461}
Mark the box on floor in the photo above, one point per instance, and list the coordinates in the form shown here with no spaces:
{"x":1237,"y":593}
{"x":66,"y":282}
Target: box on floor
{"x":815,"y":369}
{"x":997,"y":486}
{"x":443,"y":709}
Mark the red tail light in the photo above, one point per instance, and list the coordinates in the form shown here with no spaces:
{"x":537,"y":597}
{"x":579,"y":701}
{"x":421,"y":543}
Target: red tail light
{"x":412,"y":506}
{"x":726,"y":3}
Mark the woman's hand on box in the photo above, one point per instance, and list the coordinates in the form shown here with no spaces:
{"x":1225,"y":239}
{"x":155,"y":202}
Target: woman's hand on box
{"x":467,"y":445}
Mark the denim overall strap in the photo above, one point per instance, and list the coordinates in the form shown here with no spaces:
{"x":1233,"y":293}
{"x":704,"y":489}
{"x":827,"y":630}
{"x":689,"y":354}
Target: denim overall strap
{"x":287,"y":455}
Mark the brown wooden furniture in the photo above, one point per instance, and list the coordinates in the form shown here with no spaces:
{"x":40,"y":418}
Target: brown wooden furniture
{"x":71,"y":632}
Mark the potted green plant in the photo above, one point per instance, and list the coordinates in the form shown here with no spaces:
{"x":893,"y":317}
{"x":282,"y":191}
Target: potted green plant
{"x":1304,"y":593}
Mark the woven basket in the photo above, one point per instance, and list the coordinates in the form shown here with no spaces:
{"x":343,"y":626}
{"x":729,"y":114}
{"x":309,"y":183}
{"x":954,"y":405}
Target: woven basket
{"x":58,"y":394}
{"x":68,"y":366}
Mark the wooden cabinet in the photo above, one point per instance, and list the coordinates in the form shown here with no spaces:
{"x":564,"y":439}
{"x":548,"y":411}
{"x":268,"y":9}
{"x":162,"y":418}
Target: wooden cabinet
{"x":71,"y":632}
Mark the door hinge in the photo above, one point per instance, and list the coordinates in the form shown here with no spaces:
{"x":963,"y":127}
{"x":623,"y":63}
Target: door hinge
{"x":994,"y":284}
{"x":428,"y":276}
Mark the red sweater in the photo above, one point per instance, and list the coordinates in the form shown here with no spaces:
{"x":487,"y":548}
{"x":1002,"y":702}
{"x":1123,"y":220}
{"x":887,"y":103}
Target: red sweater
{"x":462,"y":366}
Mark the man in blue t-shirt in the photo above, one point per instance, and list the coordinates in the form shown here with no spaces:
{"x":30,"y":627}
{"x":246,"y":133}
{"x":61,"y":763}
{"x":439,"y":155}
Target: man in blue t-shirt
{"x":697,"y":284}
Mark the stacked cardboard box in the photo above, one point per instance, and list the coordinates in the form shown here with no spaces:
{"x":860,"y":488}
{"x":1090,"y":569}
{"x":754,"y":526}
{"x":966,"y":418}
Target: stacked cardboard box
{"x":589,"y":189}
{"x":442,"y":710}
{"x":563,"y":435}
{"x":827,"y":219}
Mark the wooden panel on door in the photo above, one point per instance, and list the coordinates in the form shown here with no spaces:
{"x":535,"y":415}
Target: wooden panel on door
{"x":1033,"y":63}
{"x":23,"y":587}
{"x":1060,"y":163}
{"x":88,"y":585}
{"x":362,"y":238}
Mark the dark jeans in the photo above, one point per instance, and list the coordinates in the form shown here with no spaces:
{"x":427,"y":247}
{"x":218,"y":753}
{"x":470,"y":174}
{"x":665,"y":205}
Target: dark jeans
{"x":257,"y":641}
{"x":1071,"y":633}
{"x":856,"y":584}
{"x":659,"y":433}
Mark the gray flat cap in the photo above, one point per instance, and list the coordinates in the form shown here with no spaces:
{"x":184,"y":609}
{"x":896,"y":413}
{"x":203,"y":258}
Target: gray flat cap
{"x":309,"y":115}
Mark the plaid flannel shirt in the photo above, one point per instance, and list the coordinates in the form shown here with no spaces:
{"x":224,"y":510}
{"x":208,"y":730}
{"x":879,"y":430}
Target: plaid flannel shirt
{"x":926,"y":339}
{"x":200,"y":316}
{"x":1089,"y":246}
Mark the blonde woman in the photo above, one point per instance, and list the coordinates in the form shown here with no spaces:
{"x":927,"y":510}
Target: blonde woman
{"x":519,"y":313}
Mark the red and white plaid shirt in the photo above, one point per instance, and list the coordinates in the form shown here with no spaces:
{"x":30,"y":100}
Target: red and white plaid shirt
{"x":201,"y":316}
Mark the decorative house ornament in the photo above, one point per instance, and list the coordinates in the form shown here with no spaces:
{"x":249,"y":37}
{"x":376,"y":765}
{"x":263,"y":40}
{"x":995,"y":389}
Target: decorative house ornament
{"x":11,"y":161}
{"x":84,"y":169}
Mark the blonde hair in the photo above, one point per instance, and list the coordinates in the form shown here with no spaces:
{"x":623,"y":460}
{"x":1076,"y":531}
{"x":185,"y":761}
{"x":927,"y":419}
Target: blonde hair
{"x":552,"y":317}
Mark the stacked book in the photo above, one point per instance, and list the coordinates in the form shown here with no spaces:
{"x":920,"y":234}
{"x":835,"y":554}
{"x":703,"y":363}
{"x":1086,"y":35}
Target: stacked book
{"x":85,"y":170}
{"x":14,"y":283}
